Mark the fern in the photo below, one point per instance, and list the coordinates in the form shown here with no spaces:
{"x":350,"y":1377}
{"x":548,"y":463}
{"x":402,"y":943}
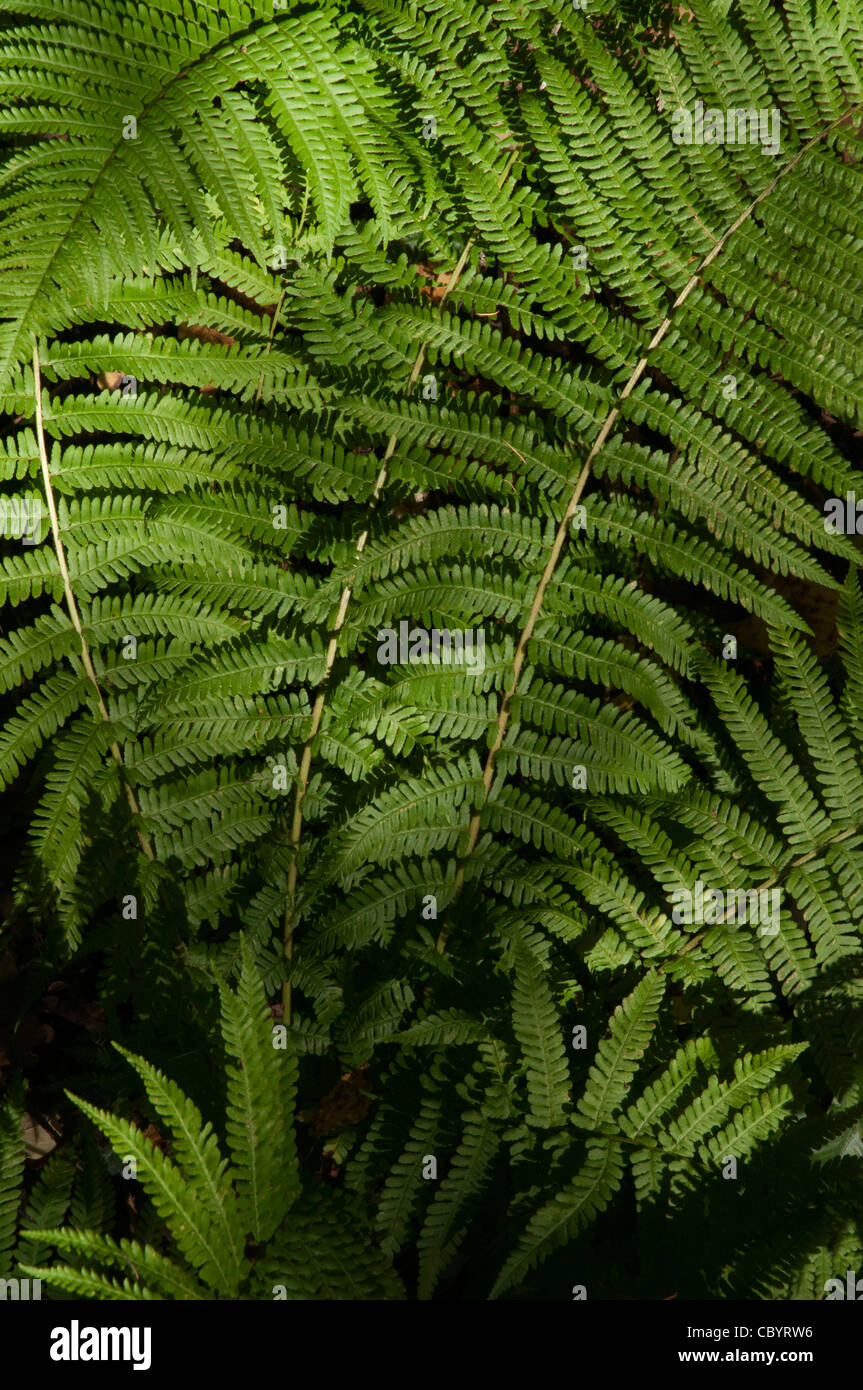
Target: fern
{"x":333,"y":323}
{"x":213,"y":1205}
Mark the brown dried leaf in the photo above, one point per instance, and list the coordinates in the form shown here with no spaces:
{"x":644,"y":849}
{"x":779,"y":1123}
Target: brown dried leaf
{"x":346,"y":1104}
{"x":110,"y":381}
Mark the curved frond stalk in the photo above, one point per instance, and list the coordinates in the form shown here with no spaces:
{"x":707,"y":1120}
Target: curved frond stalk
{"x":305,"y":760}
{"x":71,"y":603}
{"x":220,"y":412}
{"x":503,"y":716}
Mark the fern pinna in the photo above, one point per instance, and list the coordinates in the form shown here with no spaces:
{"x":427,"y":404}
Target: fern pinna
{"x":241,"y":1226}
{"x":346,"y":327}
